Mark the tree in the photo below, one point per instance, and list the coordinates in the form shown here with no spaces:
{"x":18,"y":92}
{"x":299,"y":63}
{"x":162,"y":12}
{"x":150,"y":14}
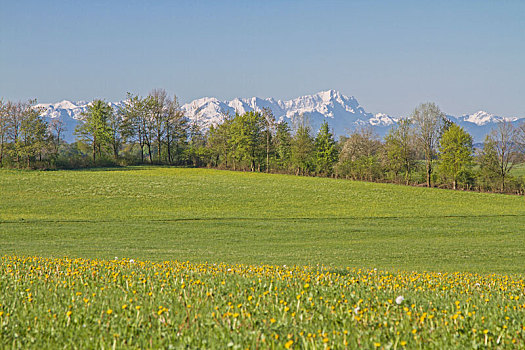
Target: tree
{"x":158,"y":110}
{"x":359,"y":156}
{"x":134,"y":122}
{"x":4,"y":114}
{"x":269,"y":125}
{"x":325,"y":150}
{"x":197,"y":144}
{"x":94,"y":129}
{"x":399,"y":148}
{"x":506,"y":145}
{"x":283,"y":144}
{"x":117,"y":131}
{"x":176,"y":126}
{"x":520,"y":136}
{"x":15,"y":117}
{"x":488,"y":165}
{"x":428,"y":121}
{"x":247,"y":138}
{"x":217,"y":141}
{"x":56,"y":130}
{"x":302,"y":146}
{"x":455,"y":152}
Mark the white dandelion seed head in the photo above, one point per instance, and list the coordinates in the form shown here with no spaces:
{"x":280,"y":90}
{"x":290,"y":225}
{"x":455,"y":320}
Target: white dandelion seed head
{"x":399,"y":300}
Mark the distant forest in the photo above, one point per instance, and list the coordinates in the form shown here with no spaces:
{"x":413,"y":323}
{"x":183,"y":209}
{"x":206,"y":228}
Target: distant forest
{"x":425,"y":149}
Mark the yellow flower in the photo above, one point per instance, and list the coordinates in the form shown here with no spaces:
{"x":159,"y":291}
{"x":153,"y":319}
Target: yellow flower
{"x":109,"y":311}
{"x":68,"y":313}
{"x":288,"y":344}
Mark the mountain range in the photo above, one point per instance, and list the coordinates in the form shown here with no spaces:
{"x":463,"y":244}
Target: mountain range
{"x":342,"y":113}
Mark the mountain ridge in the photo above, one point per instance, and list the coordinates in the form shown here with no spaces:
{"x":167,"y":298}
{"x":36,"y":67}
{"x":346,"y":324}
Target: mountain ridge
{"x":342,"y":113}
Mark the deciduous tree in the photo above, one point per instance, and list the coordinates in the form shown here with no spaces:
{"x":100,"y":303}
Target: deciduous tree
{"x":428,"y":122}
{"x":455,"y":152}
{"x":94,"y":129}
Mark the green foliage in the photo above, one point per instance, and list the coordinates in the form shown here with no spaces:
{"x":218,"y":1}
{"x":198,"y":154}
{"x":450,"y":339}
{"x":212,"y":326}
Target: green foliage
{"x":246,"y":139}
{"x":455,"y":153}
{"x":302,"y":148}
{"x":283,"y":145}
{"x":94,"y":129}
{"x":400,"y":149}
{"x":429,"y":122}
{"x":325,"y":151}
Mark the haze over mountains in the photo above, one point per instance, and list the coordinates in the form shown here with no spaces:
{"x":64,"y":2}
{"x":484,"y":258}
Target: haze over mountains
{"x":342,"y":113}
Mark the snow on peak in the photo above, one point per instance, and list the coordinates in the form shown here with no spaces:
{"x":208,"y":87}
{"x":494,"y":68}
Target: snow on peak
{"x":382,"y":119}
{"x":484,"y":118}
{"x":65,"y":104}
{"x":342,"y":113}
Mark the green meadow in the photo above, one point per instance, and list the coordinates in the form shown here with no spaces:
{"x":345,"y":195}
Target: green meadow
{"x":199,"y":215}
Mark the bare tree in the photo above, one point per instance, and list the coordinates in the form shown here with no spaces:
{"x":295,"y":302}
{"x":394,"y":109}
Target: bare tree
{"x":134,"y":123}
{"x":521,"y":137}
{"x":506,"y":144}
{"x":15,"y":118}
{"x":175,"y":125}
{"x":56,"y":130}
{"x":358,"y":158}
{"x":158,"y":106}
{"x":428,"y":121}
{"x":4,"y":113}
{"x":269,"y":126}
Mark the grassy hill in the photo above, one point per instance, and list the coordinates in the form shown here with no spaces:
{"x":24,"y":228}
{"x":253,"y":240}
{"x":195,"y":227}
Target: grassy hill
{"x":202,"y":215}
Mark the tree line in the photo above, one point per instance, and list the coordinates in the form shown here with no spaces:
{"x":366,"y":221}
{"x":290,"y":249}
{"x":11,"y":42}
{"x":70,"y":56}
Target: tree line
{"x":424,"y":149}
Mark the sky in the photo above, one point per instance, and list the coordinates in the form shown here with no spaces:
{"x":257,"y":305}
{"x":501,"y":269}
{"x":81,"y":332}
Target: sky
{"x":391,"y":55}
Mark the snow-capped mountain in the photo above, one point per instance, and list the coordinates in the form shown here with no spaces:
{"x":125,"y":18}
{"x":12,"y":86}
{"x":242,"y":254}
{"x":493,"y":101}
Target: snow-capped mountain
{"x":481,"y":123}
{"x":69,"y":112}
{"x":342,"y":113}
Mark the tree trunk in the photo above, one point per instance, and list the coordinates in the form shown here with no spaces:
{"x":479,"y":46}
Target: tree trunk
{"x":169,"y":151}
{"x":158,"y":147}
{"x":268,"y":151}
{"x":149,"y":152}
{"x":454,"y":183}
{"x":1,"y":151}
{"x":429,"y":173}
{"x":94,"y":151}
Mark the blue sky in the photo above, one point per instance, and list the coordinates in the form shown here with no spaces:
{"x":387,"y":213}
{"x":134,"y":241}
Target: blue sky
{"x":390,"y":55}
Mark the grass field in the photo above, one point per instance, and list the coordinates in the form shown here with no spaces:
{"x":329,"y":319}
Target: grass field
{"x":154,"y":257}
{"x":519,"y":170}
{"x":78,"y":303}
{"x":219,"y":216}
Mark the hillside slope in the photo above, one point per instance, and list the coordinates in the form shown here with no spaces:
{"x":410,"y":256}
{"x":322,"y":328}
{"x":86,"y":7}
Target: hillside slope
{"x":201,"y":214}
